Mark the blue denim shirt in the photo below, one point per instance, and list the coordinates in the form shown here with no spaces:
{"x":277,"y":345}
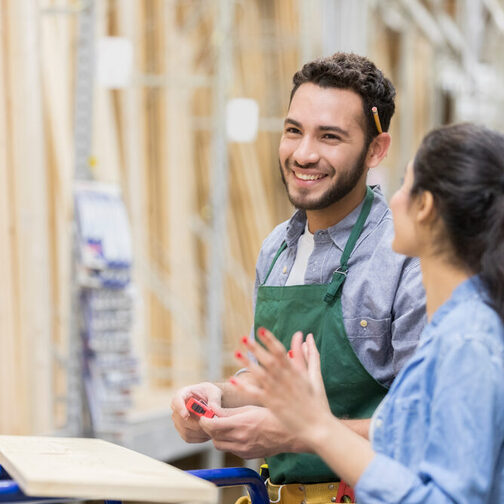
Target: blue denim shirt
{"x":439,"y":433}
{"x":382,"y":288}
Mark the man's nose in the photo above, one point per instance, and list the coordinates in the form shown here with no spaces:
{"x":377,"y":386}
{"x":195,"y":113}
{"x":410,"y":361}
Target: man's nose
{"x":306,"y":152}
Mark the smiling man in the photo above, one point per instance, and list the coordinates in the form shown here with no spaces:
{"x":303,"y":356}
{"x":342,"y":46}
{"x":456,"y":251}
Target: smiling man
{"x":329,"y":271}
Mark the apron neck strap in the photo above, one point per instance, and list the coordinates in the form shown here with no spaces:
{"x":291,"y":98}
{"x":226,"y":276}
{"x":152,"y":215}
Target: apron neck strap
{"x":277,"y":255}
{"x":340,"y":274}
{"x":357,"y":228}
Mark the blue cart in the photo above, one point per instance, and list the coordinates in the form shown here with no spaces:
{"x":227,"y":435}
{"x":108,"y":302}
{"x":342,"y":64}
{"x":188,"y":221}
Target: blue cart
{"x":226,"y":477}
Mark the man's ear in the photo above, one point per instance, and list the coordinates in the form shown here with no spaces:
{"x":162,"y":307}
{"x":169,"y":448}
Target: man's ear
{"x":378,"y":149}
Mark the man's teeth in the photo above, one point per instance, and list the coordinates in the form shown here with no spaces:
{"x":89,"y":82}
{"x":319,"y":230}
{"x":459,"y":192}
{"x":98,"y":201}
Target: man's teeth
{"x":305,"y":176}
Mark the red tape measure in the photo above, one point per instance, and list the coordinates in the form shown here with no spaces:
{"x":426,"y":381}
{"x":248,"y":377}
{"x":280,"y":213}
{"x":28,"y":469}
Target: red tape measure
{"x":199,"y":408}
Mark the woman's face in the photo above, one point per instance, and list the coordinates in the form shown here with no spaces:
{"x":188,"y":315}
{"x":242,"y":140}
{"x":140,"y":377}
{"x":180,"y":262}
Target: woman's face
{"x":403,"y":211}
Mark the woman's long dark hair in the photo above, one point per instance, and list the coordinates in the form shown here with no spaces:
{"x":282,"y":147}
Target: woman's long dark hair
{"x":463,"y":167}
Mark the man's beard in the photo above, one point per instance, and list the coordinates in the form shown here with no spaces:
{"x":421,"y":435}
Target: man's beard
{"x":346,"y":182}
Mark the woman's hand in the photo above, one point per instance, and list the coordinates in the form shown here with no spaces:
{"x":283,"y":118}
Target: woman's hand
{"x":289,"y":384}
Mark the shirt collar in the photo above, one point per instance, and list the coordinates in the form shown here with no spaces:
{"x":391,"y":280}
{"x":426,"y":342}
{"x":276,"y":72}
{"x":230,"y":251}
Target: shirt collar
{"x":340,"y":232}
{"x":295,"y":227}
{"x":472,"y":288}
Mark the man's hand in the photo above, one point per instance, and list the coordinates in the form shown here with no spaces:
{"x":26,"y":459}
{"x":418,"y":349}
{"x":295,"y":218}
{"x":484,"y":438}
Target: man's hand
{"x":249,"y":432}
{"x":186,"y":424}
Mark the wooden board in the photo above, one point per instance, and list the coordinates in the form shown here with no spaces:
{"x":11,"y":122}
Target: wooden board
{"x":96,"y":469}
{"x":32,"y":289}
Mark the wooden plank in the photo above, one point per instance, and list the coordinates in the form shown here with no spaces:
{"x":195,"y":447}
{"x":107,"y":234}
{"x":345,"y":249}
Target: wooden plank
{"x":96,"y":469}
{"x":8,"y":344}
{"x":135,"y":176}
{"x":55,"y":37}
{"x":31,"y":262}
{"x":105,"y":145}
{"x":179,"y":206}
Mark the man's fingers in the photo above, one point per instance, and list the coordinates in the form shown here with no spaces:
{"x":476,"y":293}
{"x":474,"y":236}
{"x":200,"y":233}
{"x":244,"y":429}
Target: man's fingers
{"x":178,"y":405}
{"x":214,"y":397}
{"x":217,"y":426}
{"x":229,"y":412}
{"x":189,"y":429}
{"x":195,"y":437}
{"x":208,"y":392}
{"x":190,"y":423}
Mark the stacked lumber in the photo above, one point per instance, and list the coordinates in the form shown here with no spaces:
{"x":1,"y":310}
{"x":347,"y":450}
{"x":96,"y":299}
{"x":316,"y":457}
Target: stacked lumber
{"x":258,"y":202}
{"x":57,"y":66}
{"x":26,"y":341}
{"x":8,"y":322}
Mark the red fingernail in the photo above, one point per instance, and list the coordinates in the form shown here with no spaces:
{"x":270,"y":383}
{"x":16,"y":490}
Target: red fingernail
{"x":238,"y":354}
{"x":261,"y":331}
{"x":290,"y":353}
{"x":244,"y":340}
{"x":232,"y":381}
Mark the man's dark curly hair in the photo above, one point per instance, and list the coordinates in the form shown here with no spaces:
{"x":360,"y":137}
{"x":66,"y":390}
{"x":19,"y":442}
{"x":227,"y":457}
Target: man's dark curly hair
{"x":357,"y":73}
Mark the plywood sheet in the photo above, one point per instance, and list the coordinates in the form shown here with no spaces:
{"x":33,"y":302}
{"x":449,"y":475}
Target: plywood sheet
{"x":96,"y":469}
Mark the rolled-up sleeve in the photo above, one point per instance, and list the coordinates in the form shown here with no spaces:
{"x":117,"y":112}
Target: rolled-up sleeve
{"x":454,"y":460}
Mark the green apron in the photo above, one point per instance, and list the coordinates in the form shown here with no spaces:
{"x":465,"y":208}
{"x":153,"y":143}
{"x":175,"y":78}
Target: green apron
{"x":316,"y":308}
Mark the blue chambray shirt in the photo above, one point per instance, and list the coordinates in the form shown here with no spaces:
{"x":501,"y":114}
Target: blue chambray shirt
{"x":439,"y":433}
{"x":383,"y":296}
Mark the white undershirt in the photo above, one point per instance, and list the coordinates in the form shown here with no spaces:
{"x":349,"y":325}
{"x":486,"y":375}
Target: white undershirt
{"x":304,"y":249}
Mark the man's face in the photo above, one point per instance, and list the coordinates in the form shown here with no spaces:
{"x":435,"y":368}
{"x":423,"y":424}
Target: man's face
{"x":322,"y":150}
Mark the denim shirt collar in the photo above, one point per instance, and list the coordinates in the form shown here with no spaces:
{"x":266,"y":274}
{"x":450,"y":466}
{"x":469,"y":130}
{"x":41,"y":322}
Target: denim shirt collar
{"x":472,"y":288}
{"x":340,"y":232}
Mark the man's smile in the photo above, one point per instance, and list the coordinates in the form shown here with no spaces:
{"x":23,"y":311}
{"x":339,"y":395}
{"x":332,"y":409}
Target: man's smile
{"x":308,"y":176}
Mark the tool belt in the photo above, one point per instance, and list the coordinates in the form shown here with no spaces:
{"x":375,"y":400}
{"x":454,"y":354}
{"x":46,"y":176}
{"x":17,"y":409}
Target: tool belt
{"x":312,"y":493}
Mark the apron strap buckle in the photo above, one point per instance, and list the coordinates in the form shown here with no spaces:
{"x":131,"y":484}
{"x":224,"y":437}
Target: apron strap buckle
{"x":339,"y":277}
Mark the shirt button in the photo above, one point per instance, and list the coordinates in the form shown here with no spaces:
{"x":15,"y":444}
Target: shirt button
{"x":284,"y":270}
{"x":331,"y":486}
{"x":333,"y":499}
{"x":301,"y":488}
{"x":363,"y":323}
{"x":378,"y":423}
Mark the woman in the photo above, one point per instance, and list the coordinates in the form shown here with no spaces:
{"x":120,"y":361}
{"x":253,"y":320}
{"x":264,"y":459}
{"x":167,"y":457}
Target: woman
{"x":438,"y":435}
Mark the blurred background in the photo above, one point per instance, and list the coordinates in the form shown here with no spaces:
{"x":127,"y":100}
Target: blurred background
{"x":139,"y":176}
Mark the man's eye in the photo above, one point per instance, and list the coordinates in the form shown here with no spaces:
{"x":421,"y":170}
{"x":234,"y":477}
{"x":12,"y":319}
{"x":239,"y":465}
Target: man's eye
{"x":330,"y":136}
{"x":292,"y":130}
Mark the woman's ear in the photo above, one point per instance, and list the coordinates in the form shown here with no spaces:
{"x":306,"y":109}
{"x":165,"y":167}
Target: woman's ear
{"x":426,"y":210}
{"x":378,"y":150}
